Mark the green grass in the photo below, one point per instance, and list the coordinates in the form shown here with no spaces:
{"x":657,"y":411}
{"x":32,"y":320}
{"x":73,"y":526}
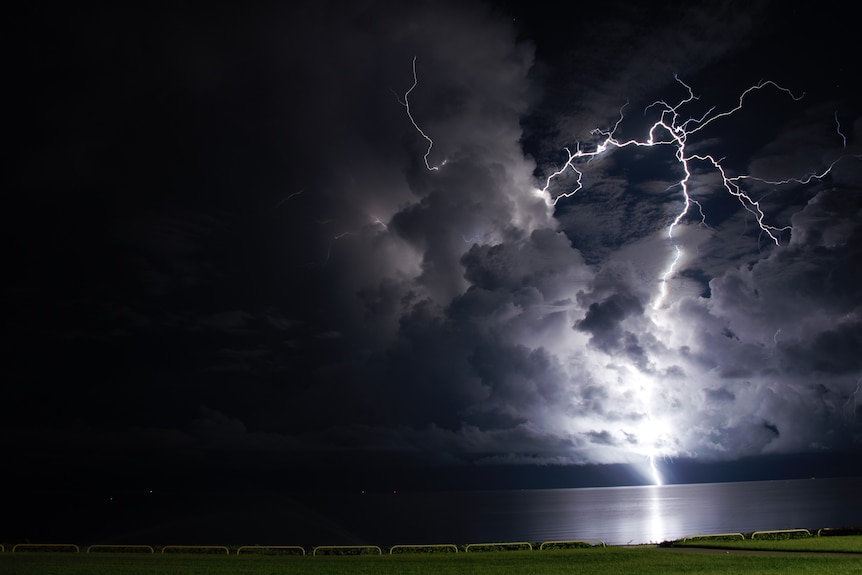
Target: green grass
{"x":843,"y":544}
{"x":596,"y":561}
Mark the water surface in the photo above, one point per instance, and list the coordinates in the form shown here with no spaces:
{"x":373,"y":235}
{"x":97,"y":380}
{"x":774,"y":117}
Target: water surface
{"x":616,"y":515}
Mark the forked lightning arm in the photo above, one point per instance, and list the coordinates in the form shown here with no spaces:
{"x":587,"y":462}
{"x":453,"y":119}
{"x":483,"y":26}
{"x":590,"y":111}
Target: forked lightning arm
{"x":671,"y":130}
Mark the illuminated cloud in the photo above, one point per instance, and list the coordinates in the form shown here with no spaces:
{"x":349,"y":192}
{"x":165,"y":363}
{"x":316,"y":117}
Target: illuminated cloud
{"x":278,"y":271}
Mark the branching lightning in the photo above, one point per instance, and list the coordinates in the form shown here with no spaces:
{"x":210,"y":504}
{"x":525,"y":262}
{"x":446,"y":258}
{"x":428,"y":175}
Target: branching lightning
{"x":672,"y":130}
{"x":406,"y":103}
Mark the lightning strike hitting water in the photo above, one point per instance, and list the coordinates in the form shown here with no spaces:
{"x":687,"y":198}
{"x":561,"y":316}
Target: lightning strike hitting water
{"x":670,"y":129}
{"x":656,"y":475}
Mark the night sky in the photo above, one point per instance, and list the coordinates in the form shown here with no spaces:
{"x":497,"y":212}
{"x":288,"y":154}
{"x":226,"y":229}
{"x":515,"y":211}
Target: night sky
{"x":226,"y":258}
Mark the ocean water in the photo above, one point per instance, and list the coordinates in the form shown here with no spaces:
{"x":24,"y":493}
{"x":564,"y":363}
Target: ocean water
{"x":615,"y":515}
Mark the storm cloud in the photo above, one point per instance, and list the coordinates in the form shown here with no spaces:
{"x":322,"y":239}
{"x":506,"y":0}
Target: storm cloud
{"x":260,"y":232}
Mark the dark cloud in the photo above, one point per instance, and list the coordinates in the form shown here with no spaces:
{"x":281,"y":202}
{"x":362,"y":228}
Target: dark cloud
{"x":603,"y":437}
{"x":225,"y":239}
{"x":603,"y":321}
{"x":719,"y":395}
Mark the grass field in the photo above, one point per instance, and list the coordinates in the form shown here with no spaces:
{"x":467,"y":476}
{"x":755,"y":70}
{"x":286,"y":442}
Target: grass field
{"x":844,"y":544}
{"x":645,"y":560}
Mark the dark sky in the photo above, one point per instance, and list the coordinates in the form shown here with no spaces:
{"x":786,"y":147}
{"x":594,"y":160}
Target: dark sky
{"x":224,"y":249}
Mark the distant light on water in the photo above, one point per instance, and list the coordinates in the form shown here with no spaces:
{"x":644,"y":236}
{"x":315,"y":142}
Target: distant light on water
{"x":654,"y":524}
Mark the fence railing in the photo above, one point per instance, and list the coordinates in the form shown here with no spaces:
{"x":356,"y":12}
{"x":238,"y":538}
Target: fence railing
{"x":421,"y":548}
{"x":65,"y":547}
{"x":195,"y":549}
{"x":121,"y":548}
{"x":781,"y":532}
{"x":570,"y":542}
{"x":298,"y":550}
{"x":511,"y":546}
{"x":346,"y":549}
{"x":713,"y":536}
{"x":271,"y":549}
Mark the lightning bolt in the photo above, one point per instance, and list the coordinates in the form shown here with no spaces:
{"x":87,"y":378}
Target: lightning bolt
{"x":332,"y":240}
{"x":838,"y":129}
{"x":854,"y":400}
{"x":378,"y":222}
{"x":774,"y":342}
{"x":406,"y":103}
{"x":283,"y":200}
{"x":656,"y":474}
{"x":672,"y":130}
{"x":375,"y":221}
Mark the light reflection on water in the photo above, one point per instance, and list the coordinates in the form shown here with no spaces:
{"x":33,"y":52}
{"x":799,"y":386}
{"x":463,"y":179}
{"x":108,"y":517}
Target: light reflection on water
{"x":624,"y":515}
{"x":656,"y":518}
{"x":616,"y":515}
